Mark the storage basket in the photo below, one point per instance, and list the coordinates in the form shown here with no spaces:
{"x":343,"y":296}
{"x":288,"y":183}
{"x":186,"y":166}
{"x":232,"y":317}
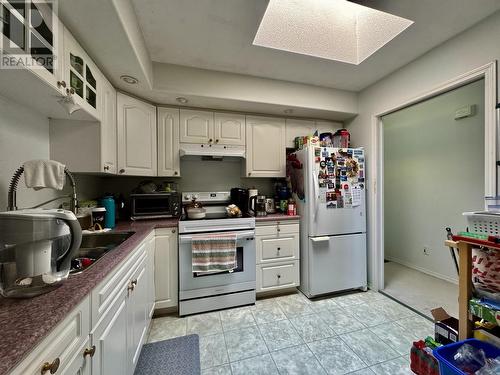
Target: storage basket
{"x":483,"y":222}
{"x":445,"y":354}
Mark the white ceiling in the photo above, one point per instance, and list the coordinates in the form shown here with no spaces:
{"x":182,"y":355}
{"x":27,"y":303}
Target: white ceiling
{"x":218,"y":35}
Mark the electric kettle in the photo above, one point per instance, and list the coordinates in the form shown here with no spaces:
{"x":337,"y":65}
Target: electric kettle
{"x":36,"y":248}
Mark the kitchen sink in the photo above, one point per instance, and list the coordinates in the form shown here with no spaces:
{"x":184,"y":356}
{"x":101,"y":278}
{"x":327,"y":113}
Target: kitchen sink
{"x":94,"y":246}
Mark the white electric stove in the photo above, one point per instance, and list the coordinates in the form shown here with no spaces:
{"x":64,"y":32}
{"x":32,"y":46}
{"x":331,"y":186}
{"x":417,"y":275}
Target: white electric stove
{"x":200,"y":292}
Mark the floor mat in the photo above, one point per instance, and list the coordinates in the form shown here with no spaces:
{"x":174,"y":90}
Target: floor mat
{"x":179,"y":356}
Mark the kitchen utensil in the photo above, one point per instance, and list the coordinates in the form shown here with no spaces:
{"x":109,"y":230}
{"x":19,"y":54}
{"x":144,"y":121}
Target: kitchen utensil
{"x":195,"y":210}
{"x":270,"y":208}
{"x":253,"y":192}
{"x":258,"y":205}
{"x":195,"y":213}
{"x":239,"y":197}
{"x":36,"y":248}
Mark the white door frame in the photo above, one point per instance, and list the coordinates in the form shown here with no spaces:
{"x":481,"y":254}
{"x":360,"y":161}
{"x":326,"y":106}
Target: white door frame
{"x":487,"y":72}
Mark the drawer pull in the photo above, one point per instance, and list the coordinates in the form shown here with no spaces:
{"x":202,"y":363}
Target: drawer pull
{"x":51,"y":367}
{"x":279,"y":276}
{"x":131,"y":287}
{"x":279,"y":248}
{"x":134,"y":282}
{"x":89,"y":351}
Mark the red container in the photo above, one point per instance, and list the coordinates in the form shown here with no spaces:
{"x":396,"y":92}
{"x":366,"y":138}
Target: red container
{"x":422,"y":362}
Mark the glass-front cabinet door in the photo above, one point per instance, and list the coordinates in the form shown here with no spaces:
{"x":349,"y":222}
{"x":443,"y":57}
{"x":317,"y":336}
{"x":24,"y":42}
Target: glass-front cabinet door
{"x":30,"y":31}
{"x":82,"y":75}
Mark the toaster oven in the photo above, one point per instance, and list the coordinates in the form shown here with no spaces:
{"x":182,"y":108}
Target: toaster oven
{"x":155,"y":205}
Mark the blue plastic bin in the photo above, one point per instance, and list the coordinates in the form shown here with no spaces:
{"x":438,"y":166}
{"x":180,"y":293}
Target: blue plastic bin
{"x":444,"y":355}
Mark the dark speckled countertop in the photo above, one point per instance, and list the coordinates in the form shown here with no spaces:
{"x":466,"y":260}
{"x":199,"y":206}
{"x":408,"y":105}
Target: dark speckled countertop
{"x":26,"y":322}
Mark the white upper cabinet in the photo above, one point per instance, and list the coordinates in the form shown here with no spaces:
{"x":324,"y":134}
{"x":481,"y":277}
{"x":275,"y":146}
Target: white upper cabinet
{"x":34,"y":26}
{"x":108,"y":128}
{"x":298,"y":128}
{"x":196,"y":126}
{"x":88,"y":146}
{"x":136,"y":131}
{"x":265,"y":147}
{"x":82,"y":75}
{"x":168,"y":142}
{"x":229,"y":129}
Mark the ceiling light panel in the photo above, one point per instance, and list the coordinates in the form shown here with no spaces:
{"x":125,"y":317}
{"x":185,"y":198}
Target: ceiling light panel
{"x":330,"y":29}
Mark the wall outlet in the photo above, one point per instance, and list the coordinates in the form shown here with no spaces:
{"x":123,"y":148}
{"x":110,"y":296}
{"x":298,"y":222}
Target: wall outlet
{"x":427,"y":251}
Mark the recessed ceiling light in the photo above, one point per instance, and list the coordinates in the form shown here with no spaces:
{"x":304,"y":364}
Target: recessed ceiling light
{"x":181,"y":99}
{"x":129,"y":79}
{"x":330,"y":29}
{"x":288,"y":111}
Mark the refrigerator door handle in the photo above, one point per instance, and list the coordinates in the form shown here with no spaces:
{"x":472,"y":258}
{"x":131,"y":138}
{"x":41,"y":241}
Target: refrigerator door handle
{"x":316,"y":198}
{"x":320,"y":239}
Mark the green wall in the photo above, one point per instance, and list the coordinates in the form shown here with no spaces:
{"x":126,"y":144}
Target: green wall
{"x":433,"y":171}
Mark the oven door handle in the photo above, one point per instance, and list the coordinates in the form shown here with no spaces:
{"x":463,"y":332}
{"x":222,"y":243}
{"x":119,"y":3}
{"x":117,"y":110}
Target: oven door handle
{"x":239,"y":236}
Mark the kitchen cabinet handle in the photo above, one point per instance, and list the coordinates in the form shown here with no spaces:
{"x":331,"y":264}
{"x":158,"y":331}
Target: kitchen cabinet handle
{"x":51,"y":367}
{"x":176,"y":173}
{"x":61,"y":84}
{"x":210,"y":140}
{"x":106,"y":167}
{"x":173,"y":230}
{"x":134,"y":282}
{"x":216,"y":141}
{"x":249,"y":173}
{"x":279,"y":248}
{"x":279,"y":276}
{"x":122,"y":170}
{"x":89,"y":351}
{"x":131,"y":287}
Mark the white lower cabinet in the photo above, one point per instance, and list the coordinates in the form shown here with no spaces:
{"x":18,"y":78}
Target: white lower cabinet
{"x":105,"y":333}
{"x":278,"y":255}
{"x":61,"y":352}
{"x":110,"y":339}
{"x":165,"y":263}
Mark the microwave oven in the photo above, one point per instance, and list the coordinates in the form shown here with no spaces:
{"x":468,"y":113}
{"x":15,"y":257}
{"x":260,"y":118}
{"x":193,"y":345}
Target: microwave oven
{"x":155,"y":205}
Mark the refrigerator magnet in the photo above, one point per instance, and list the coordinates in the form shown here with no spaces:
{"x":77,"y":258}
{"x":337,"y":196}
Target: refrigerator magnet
{"x":317,"y":152}
{"x":331,"y":205}
{"x":322,"y":164}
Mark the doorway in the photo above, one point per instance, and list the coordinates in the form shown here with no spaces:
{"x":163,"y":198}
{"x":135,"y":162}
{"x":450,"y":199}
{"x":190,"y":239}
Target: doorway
{"x":433,"y":159}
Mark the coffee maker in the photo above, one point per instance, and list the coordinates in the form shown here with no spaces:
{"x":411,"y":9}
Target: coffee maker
{"x":258,"y":205}
{"x":239,"y":197}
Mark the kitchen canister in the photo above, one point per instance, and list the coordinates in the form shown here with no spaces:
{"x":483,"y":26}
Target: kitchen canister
{"x":108,"y":202}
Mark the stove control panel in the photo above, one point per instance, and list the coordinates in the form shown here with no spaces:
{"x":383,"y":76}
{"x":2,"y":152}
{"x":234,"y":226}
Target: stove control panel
{"x":207,"y":197}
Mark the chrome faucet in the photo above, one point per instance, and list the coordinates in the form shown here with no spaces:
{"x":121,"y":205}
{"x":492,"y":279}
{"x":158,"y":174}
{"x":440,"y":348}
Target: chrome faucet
{"x":12,"y":204}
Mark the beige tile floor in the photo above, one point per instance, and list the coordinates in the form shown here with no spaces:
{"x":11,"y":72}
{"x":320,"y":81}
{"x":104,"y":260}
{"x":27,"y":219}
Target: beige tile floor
{"x":359,"y":333}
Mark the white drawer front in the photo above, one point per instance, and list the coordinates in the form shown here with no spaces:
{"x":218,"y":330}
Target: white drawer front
{"x":277,"y":229}
{"x":277,"y":249}
{"x":277,"y":276}
{"x":104,"y":294}
{"x":62,"y":344}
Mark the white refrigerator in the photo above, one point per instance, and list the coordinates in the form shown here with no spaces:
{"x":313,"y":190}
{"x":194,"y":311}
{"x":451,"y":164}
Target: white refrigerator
{"x":329,"y":187}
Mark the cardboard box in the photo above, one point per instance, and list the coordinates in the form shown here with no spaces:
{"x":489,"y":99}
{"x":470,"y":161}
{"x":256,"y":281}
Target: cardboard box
{"x":445,"y":326}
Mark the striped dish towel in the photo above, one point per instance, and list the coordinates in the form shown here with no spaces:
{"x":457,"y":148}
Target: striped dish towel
{"x":214,"y":252}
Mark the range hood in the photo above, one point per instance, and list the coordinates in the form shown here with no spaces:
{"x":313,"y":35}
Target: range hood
{"x":209,"y":150}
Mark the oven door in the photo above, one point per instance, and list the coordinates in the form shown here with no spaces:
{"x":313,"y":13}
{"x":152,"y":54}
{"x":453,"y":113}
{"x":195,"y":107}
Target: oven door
{"x":195,"y":285}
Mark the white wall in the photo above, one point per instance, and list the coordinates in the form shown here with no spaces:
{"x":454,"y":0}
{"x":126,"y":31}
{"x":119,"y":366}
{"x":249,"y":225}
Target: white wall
{"x":433,"y":171}
{"x":24,"y":135}
{"x":473,"y":48}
